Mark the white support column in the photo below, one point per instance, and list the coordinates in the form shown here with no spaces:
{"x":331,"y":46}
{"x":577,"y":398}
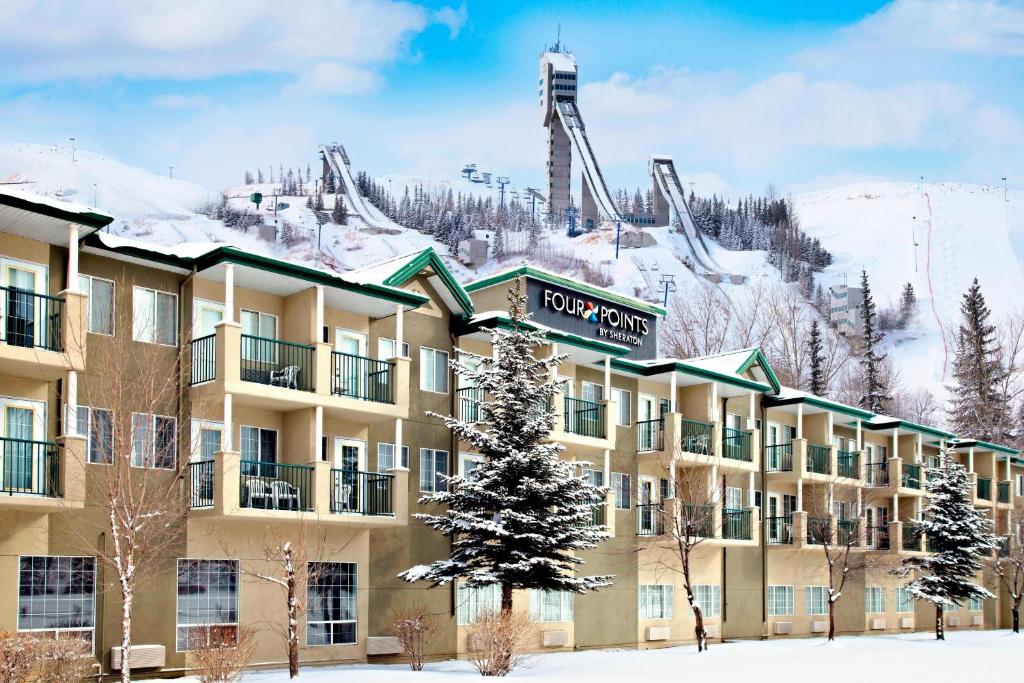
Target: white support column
{"x":318,"y":434}
{"x":970,"y":459}
{"x":607,"y":377}
{"x":72,"y":257}
{"x":895,"y":508}
{"x":714,"y":403}
{"x":799,"y":420}
{"x":860,"y":501}
{"x":918,"y":448}
{"x":860,"y":436}
{"x":229,"y":293}
{"x":750,"y":489}
{"x":71,"y":405}
{"x":672,"y":387}
{"x":399,"y":331}
{"x":752,"y":408}
{"x":607,"y":467}
{"x":829,"y":427}
{"x":1007,"y":477}
{"x":319,"y":332}
{"x":799,"y":495}
{"x":227,"y":442}
{"x":895,"y":443}
{"x":398,"y":443}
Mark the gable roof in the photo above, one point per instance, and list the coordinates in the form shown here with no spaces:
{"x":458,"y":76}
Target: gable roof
{"x":790,"y":396}
{"x":397,"y":271}
{"x":46,"y":219}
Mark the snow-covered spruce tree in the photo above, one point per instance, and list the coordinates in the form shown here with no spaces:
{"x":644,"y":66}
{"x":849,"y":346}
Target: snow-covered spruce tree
{"x":978,"y":407}
{"x":817,"y":383}
{"x":908,"y":304}
{"x":875,"y":394}
{"x":523,"y":516}
{"x":959,"y":539}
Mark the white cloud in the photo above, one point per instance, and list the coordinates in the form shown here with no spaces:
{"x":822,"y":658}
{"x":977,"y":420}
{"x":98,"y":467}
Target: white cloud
{"x":332,"y":78}
{"x":173,"y":101}
{"x":45,"y":41}
{"x":453,"y":18}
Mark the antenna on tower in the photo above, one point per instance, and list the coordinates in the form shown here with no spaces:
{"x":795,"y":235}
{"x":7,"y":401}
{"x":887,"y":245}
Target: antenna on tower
{"x":558,"y":39}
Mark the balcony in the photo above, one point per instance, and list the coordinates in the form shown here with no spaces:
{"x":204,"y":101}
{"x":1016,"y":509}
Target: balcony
{"x":913,"y":537}
{"x":848,"y":464}
{"x":819,"y":530}
{"x":41,"y":336}
{"x":848,"y":532}
{"x":696,"y":437}
{"x":469,"y":400}
{"x":984,"y":489}
{"x":650,"y":519}
{"x":878,"y":537}
{"x":779,"y":530}
{"x":29,"y":468}
{"x":587,"y":427}
{"x":780,"y":457}
{"x":910,"y":477}
{"x":698,"y":519}
{"x":876,"y":474}
{"x":819,"y":459}
{"x":584,"y":418}
{"x":736,"y":444}
{"x":650,"y":435}
{"x":267,"y":373}
{"x":1003,"y":492}
{"x":229,"y":487}
{"x":736,"y":525}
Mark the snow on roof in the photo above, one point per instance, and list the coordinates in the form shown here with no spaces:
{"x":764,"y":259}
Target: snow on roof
{"x":561,"y":61}
{"x":376,"y":273}
{"x":184,"y":250}
{"x":58,"y":204}
{"x":727,"y":363}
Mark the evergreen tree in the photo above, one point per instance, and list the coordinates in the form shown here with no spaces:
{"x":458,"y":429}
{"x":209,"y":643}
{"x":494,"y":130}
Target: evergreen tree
{"x":330,"y":186}
{"x":339,"y":216}
{"x":978,"y":407}
{"x":523,"y":516}
{"x":908,"y":304}
{"x":318,"y":203}
{"x":876,"y":393}
{"x":259,"y":176}
{"x":817,"y":386}
{"x":959,"y":537}
{"x":498,"y":250}
{"x":248,"y":177}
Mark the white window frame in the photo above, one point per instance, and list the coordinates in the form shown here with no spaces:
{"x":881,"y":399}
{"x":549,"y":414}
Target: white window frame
{"x":259,"y":442}
{"x":655,"y":601}
{"x":430,"y":456}
{"x":355,"y":599}
{"x":149,"y":454}
{"x":137,"y":331}
{"x":89,"y":458}
{"x":473,"y":601}
{"x":621,"y":481}
{"x":381,"y":447}
{"x":975,"y":604}
{"x":708,"y":597}
{"x":61,"y":632}
{"x":466,"y":458}
{"x":208,"y":626}
{"x":624,"y":413}
{"x":904,"y":600}
{"x":550,"y":607}
{"x":874,"y":598}
{"x":816,"y":600}
{"x":381,"y":355}
{"x":198,"y":426}
{"x":426,"y":376}
{"x":780,"y":601}
{"x":88,"y":280}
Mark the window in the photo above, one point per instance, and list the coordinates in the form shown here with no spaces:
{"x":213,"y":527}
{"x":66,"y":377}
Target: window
{"x":155,"y":318}
{"x":433,"y":370}
{"x":477,"y":600}
{"x":733,"y":498}
{"x":154,"y":438}
{"x":655,"y":601}
{"x":975,"y":604}
{"x":551,"y":606}
{"x":101,"y":303}
{"x":207,"y":608}
{"x":816,"y":600}
{"x":56,"y":595}
{"x":331,"y":603}
{"x":97,"y":425}
{"x":1020,"y":484}
{"x":468,"y":462}
{"x":258,"y":444}
{"x":386,"y":348}
{"x":625,"y":400}
{"x":592,"y":392}
{"x":874,"y":599}
{"x":386,"y":456}
{"x":207,"y":437}
{"x":622,"y":485}
{"x":709,"y":599}
{"x":256,"y":324}
{"x":780,"y":601}
{"x":904,"y":600}
{"x":433,"y":470}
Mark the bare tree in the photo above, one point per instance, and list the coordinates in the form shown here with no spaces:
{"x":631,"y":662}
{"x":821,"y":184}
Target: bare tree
{"x":697,"y":324}
{"x":415,"y":627}
{"x":1009,"y":566}
{"x":19,"y":656}
{"x":918,"y":405}
{"x":135,"y":488}
{"x":837,"y":543}
{"x":223,"y":662}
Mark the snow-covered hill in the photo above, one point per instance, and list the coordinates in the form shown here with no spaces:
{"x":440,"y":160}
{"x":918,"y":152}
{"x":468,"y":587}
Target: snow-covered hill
{"x":938,"y":237}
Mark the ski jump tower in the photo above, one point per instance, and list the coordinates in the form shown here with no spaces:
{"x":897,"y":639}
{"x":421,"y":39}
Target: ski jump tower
{"x":566,"y":133}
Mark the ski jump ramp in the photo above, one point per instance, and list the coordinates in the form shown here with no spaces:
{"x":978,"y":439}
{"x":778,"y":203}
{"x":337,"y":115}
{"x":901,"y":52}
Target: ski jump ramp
{"x":336,"y":162}
{"x":572,"y":124}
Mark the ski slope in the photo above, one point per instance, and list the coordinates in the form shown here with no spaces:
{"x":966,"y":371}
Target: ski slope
{"x":663,"y":170}
{"x":337,"y":160}
{"x":572,"y":122}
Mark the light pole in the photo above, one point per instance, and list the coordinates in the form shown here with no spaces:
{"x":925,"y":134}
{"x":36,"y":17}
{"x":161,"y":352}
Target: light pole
{"x":668,"y":285}
{"x":618,"y":237}
{"x":72,"y":150}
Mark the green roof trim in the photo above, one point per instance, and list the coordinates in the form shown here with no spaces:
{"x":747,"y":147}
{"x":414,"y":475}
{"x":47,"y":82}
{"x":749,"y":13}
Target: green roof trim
{"x":528,"y":271}
{"x":428,"y":258}
{"x":822,"y":403}
{"x":679,"y":366}
{"x":912,"y":426}
{"x":987,"y":446}
{"x":757,"y":356}
{"x":229,"y":254}
{"x":505,"y":323}
{"x":89,"y":219}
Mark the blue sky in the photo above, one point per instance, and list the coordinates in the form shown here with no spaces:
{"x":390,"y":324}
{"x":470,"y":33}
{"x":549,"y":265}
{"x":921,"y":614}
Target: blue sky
{"x":742,"y":94}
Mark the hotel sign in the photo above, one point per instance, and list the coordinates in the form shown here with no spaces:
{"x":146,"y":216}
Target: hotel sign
{"x":585,"y":315}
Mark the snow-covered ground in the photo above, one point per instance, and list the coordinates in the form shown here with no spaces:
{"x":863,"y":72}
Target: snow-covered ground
{"x":988,"y":656}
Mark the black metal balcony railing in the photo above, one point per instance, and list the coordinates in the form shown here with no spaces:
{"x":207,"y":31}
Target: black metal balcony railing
{"x":650,"y":519}
{"x":736,"y":444}
{"x":848,"y":464}
{"x":910,"y":478}
{"x":848,"y":532}
{"x":364,"y":493}
{"x":819,"y":459}
{"x":819,"y":530}
{"x":1003,"y":492}
{"x":696,"y":436}
{"x":30,"y":468}
{"x":31,"y":320}
{"x":469,"y":400}
{"x":366,"y":379}
{"x":984,"y":488}
{"x":876,"y":474}
{"x":780,"y":457}
{"x":878,"y":537}
{"x":598,"y":516}
{"x":913,"y":537}
{"x":650,"y":435}
{"x":779,"y":530}
{"x":275,"y":486}
{"x":736,"y":524}
{"x":585,"y":418}
{"x":276,"y":363}
{"x":200,"y":481}
{"x":698,"y":520}
{"x":204,"y":359}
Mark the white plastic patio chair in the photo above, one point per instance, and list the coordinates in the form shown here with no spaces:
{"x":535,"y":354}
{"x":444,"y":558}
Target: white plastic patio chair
{"x":287,"y":377}
{"x":286,"y":496}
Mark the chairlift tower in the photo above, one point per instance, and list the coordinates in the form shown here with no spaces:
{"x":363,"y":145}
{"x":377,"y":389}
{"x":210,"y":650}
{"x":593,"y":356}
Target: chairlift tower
{"x":502,"y":181}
